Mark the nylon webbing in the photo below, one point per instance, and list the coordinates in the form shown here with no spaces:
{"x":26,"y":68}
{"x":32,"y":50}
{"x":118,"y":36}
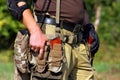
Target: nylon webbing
{"x":57,"y":11}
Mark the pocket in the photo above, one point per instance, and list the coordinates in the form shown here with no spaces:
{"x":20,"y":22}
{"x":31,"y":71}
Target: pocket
{"x":56,"y":58}
{"x":42,"y":63}
{"x":21,"y":50}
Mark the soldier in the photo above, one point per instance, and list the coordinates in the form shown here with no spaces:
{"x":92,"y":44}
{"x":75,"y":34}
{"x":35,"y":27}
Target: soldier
{"x":80,"y":45}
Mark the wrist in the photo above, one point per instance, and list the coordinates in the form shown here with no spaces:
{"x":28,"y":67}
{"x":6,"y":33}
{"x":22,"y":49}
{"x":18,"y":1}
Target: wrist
{"x":34,"y":28}
{"x":30,"y":23}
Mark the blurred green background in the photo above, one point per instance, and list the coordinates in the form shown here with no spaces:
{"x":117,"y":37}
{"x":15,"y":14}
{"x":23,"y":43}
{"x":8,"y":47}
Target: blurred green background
{"x":107,"y":60}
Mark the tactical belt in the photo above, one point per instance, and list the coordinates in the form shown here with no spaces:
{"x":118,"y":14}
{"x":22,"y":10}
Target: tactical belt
{"x":65,"y":24}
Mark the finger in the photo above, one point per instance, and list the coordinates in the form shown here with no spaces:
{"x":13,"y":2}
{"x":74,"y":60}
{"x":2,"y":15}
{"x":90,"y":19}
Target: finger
{"x":32,"y":48}
{"x":36,"y":49}
{"x":40,"y":53}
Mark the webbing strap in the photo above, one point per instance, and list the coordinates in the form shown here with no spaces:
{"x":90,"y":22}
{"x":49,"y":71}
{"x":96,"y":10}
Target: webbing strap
{"x":57,"y":11}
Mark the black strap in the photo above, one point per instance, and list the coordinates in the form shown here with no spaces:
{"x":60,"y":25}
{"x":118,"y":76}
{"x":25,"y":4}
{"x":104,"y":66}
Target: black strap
{"x":84,"y":5}
{"x":45,"y":7}
{"x":43,"y":10}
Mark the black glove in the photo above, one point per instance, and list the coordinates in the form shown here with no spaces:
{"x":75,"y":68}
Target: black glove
{"x":91,"y":38}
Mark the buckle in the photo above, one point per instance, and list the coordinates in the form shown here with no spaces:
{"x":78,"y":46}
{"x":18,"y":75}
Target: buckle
{"x":46,"y":19}
{"x":68,"y":25}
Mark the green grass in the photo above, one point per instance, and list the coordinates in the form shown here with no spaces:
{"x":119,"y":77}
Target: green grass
{"x":6,"y":71}
{"x":106,"y":66}
{"x":101,"y":67}
{"x":107,"y":71}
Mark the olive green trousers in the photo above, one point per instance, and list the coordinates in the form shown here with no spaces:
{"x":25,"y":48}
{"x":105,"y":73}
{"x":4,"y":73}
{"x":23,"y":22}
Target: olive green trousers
{"x":77,"y":66}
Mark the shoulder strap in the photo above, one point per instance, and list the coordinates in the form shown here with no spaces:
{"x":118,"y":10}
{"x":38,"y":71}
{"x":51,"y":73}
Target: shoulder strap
{"x":57,"y":11}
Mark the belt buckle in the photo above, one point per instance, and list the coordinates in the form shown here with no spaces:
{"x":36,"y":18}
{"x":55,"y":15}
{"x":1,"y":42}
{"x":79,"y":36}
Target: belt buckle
{"x":50,"y":21}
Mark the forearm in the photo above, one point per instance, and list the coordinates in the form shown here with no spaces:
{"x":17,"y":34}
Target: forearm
{"x":37,"y":38}
{"x":30,"y":22}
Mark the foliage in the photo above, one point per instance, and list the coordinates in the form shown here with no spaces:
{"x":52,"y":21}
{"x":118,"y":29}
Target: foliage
{"x":8,"y":26}
{"x":108,"y":29}
{"x":6,"y":55}
{"x":110,"y":23}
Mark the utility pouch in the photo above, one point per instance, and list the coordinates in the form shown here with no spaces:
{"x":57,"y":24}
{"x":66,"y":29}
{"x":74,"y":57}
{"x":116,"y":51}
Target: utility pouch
{"x":56,"y":56}
{"x":42,"y":64}
{"x":50,"y":67}
{"x":21,"y":51}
